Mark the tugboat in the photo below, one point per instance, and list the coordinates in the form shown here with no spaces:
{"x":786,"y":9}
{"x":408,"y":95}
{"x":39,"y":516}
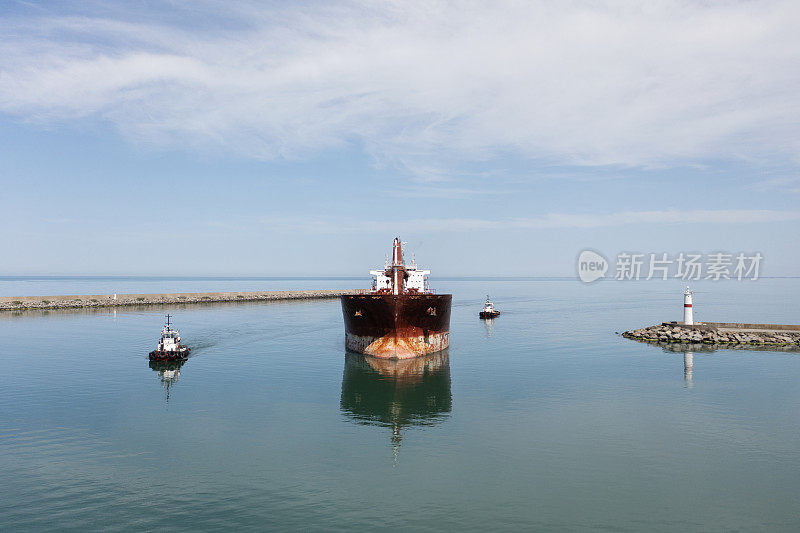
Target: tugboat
{"x":169,"y":346}
{"x":488,"y":309}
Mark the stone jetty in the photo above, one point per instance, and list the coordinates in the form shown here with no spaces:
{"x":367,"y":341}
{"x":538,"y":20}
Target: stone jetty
{"x":21,"y":303}
{"x":727,"y":333}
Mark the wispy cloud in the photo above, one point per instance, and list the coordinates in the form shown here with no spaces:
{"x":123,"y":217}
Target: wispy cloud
{"x":784,"y":184}
{"x":597,"y":83}
{"x":446,"y":192}
{"x":333,"y":225}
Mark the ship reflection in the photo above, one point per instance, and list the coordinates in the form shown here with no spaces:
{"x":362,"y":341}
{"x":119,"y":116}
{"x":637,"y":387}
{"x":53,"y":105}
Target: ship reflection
{"x":396,"y":393}
{"x":168,"y":373}
{"x":489,"y":325}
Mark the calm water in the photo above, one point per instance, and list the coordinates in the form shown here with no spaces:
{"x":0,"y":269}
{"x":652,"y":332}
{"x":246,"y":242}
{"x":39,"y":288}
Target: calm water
{"x":544,"y":419}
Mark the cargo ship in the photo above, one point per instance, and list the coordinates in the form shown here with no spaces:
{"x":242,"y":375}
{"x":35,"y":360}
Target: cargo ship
{"x":400,"y":317}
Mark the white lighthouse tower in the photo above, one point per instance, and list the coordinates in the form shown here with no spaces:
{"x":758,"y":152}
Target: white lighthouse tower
{"x":688,"y":319}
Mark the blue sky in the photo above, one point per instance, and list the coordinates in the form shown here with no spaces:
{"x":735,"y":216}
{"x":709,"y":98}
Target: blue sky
{"x":196,"y":138}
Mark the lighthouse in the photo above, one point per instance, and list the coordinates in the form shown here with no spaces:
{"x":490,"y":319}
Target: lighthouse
{"x":688,"y":320}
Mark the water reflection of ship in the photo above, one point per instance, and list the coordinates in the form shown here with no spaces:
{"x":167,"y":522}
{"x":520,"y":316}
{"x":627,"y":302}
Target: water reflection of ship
{"x":168,"y":372}
{"x":396,"y":393}
{"x":489,"y":325}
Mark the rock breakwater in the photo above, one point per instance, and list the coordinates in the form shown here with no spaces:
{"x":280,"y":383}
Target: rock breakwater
{"x":19,"y":303}
{"x":719,"y":333}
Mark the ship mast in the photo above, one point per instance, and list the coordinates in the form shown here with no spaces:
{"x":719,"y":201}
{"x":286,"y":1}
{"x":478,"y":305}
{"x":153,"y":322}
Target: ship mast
{"x":398,"y":274}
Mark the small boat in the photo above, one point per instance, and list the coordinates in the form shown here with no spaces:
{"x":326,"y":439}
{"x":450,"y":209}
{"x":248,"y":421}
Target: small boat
{"x":488,"y":310}
{"x":169,"y":345}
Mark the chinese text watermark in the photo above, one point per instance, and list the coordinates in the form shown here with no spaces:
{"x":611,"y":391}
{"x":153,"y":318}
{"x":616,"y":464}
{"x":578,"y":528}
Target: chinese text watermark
{"x":684,"y":266}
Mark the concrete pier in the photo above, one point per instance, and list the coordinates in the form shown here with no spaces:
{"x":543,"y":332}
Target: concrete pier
{"x":20,"y":303}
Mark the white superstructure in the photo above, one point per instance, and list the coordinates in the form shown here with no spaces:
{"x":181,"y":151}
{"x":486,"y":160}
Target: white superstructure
{"x":380,"y":280}
{"x":416,"y":280}
{"x":170,"y":340}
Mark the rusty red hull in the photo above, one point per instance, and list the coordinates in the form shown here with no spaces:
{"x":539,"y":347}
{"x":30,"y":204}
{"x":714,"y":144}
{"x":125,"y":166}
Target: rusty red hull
{"x":397,"y":326}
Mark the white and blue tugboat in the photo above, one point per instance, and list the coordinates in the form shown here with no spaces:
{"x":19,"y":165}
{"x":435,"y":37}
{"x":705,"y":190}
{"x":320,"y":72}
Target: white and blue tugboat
{"x":169,"y":345}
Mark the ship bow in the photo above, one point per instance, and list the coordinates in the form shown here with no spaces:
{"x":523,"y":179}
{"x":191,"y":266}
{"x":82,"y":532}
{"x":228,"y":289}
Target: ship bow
{"x":397,"y":326}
